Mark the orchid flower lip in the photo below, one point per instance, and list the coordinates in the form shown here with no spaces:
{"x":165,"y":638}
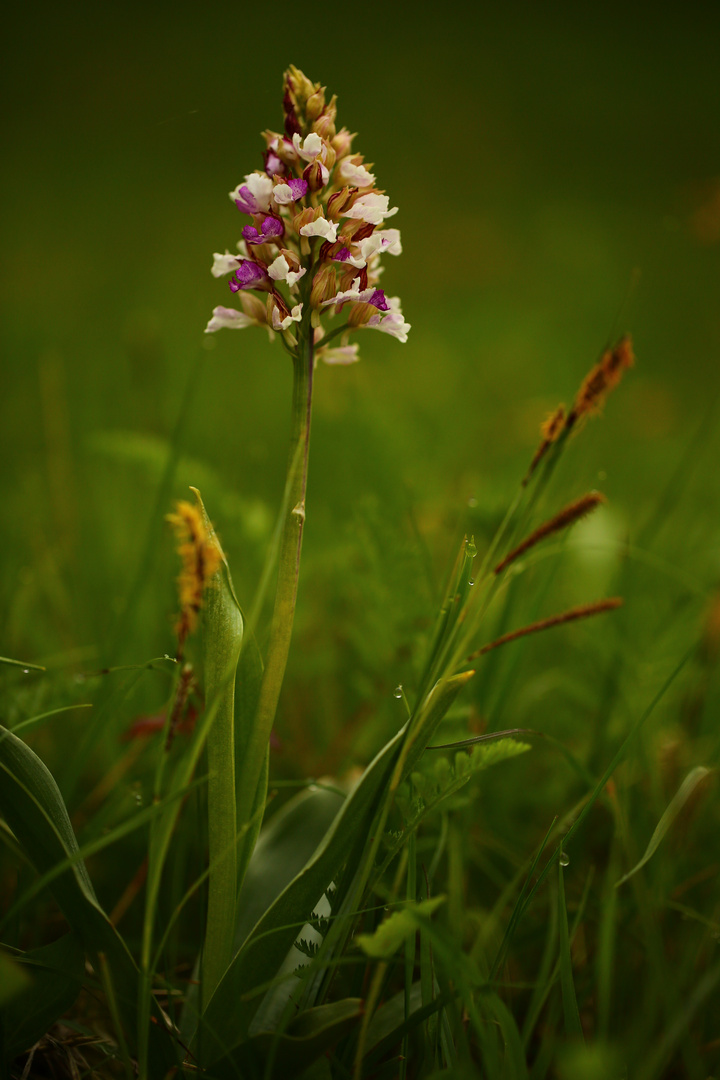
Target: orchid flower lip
{"x":321,"y":227}
{"x":343,"y":354}
{"x":308,"y":149}
{"x":279,"y":270}
{"x":229,"y":318}
{"x":282,"y":324}
{"x":249,"y":275}
{"x":290,"y":192}
{"x":371,"y":207}
{"x":271,"y":229}
{"x":224,"y":264}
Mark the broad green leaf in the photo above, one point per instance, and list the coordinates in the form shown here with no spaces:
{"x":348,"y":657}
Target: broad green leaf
{"x":391,"y":1015}
{"x":392,"y":931}
{"x":278,"y":1055}
{"x":232,"y":1008}
{"x":228,"y":1015}
{"x":55,"y":975}
{"x":681,"y":796}
{"x":284,"y":847}
{"x":13,"y":979}
{"x":32,"y":806}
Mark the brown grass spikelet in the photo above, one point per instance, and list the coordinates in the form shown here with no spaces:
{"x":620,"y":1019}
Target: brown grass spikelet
{"x":551,"y":427}
{"x":201,"y":557}
{"x":571,"y":513}
{"x":584,"y":611}
{"x":601,"y":379}
{"x":550,"y":431}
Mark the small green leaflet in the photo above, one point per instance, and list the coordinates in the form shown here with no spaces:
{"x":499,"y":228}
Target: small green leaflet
{"x":393,"y":931}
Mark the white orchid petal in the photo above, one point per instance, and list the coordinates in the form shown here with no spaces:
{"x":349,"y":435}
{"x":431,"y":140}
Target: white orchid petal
{"x":228,"y":318}
{"x":344,"y":354}
{"x":356,"y":175}
{"x":321,"y":227}
{"x":224,"y":264}
{"x":282,"y":324}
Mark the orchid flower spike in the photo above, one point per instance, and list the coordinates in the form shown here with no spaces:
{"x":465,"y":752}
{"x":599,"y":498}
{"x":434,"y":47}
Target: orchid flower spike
{"x":315,"y":237}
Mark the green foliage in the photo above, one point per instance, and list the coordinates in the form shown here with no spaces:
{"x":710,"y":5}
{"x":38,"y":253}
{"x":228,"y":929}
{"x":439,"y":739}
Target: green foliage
{"x":396,"y":928}
{"x":55,"y":974}
{"x":528,"y":968}
{"x":33,"y":807}
{"x":678,"y":801}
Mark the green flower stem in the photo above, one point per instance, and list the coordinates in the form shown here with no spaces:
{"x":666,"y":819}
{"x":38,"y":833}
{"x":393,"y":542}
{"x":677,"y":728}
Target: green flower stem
{"x":288,"y":575}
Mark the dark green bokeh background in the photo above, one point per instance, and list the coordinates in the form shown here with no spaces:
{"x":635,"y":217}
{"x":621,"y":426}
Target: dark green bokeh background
{"x":540,"y":156}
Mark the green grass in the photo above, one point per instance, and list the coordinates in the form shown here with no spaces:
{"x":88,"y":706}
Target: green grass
{"x":578,"y":927}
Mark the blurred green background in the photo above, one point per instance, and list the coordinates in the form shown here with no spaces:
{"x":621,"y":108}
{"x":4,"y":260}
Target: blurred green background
{"x":557,"y":173}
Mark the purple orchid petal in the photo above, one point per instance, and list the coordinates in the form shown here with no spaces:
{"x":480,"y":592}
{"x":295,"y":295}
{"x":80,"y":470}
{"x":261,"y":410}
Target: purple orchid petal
{"x":342,"y":255}
{"x":247,"y":203}
{"x":251,"y":235}
{"x":249,"y":275}
{"x":273,"y":164}
{"x":378,"y":300}
{"x":272,"y":228}
{"x":298,"y":187}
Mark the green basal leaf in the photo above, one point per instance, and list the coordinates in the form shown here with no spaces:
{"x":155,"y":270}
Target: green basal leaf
{"x":55,"y":975}
{"x":308,"y":1036}
{"x":32,"y":806}
{"x":284,"y":847}
{"x":392,"y":931}
{"x":13,"y":978}
{"x":228,"y":1015}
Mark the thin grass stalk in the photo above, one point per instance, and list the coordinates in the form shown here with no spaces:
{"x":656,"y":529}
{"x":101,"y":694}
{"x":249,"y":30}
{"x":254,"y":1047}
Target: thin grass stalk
{"x":410,"y":945}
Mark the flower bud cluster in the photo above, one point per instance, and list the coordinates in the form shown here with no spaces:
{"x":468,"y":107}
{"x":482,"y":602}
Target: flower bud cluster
{"x":315,"y":236}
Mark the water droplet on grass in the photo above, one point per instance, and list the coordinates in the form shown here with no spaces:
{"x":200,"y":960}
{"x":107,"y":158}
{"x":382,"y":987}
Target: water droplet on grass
{"x":470,"y":548}
{"x":564,"y":859}
{"x":471,"y":581}
{"x":398,"y":691}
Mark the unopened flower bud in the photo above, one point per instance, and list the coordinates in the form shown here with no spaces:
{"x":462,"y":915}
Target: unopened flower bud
{"x":360,"y":314}
{"x":337,"y":203}
{"x":292,"y":125}
{"x":330,"y":156}
{"x":316,"y":176}
{"x":323,"y":286}
{"x":253,"y":307}
{"x":325,"y":127}
{"x":282,"y":147}
{"x":315,"y":104}
{"x":342,"y":142}
{"x":298,"y":85}
{"x":306,"y":217}
{"x":275,"y":302}
{"x":362,"y":230}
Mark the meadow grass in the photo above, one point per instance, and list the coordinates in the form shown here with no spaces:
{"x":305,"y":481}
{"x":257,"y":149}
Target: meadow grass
{"x":538,"y":905}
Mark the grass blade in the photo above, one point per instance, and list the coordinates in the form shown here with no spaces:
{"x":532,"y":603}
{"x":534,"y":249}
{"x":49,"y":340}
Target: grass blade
{"x":678,"y":801}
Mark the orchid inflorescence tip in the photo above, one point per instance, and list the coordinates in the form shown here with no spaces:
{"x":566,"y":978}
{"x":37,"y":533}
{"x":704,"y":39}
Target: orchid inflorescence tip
{"x":313,"y":249}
